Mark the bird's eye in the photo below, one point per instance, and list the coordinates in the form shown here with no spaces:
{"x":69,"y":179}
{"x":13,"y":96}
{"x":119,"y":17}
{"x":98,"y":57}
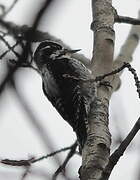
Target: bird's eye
{"x":54,"y":46}
{"x":49,"y":46}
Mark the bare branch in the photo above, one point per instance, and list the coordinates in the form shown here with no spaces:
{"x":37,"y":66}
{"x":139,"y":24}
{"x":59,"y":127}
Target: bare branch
{"x":16,"y":162}
{"x":27,"y":48}
{"x":26,"y":172}
{"x":44,"y":136}
{"x":69,"y":156}
{"x":9,"y":9}
{"x":125,"y":65}
{"x":127,"y":20}
{"x":103,"y":36}
{"x":9,"y":47}
{"x":126,"y":52}
{"x":30,"y":161}
{"x":2,"y":8}
{"x":56,"y":152}
{"x":24,"y":32}
{"x":95,"y":153}
{"x":114,"y":158}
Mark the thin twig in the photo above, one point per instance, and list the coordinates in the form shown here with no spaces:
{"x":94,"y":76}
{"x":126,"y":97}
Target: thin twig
{"x":2,"y":8}
{"x":26,"y":172}
{"x":30,"y":161}
{"x":9,"y":9}
{"x":54,"y":153}
{"x":25,"y":32}
{"x":69,"y":156}
{"x":27,"y":47}
{"x":42,"y":132}
{"x":114,"y":158}
{"x":127,"y":20}
{"x":98,"y":78}
{"x":9,"y":47}
{"x":16,"y":162}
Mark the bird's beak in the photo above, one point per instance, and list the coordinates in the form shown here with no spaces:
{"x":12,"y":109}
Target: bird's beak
{"x":71,"y":51}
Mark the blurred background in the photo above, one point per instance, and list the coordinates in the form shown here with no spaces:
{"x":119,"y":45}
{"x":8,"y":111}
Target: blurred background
{"x":30,"y":126}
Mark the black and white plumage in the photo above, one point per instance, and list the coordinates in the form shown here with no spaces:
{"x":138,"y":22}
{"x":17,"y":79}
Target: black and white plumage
{"x":65,"y":85}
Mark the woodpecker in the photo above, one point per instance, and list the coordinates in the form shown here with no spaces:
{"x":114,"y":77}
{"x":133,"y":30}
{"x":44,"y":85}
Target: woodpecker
{"x":66,"y":83}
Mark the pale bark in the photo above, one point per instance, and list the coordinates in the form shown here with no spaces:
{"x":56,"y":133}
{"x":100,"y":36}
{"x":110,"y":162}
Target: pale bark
{"x":96,"y":152}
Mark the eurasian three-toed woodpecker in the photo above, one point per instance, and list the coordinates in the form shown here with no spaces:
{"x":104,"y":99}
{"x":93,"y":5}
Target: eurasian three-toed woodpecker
{"x":66,"y":85}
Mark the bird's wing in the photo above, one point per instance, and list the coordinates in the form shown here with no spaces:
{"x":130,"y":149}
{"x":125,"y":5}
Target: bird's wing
{"x":81,"y":110}
{"x":57,"y":102}
{"x":72,"y":67}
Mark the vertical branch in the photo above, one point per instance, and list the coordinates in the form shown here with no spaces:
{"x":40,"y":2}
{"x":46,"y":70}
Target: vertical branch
{"x":102,"y":26}
{"x":95,"y":154}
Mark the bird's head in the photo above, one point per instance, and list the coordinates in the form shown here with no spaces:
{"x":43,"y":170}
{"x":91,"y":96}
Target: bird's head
{"x":48,"y":51}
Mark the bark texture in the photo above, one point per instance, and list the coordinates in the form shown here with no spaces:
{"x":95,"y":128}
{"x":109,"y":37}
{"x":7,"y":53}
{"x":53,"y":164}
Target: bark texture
{"x":96,"y":152}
